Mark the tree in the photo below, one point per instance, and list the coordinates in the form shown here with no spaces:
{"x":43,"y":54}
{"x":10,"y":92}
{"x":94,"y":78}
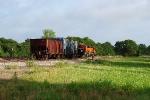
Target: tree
{"x":148,"y":50}
{"x":9,"y":47}
{"x":23,"y":49}
{"x":118,"y":48}
{"x":80,"y":40}
{"x":126,"y":48}
{"x":142,"y":49}
{"x":130,"y":48}
{"x":89,"y":41}
{"x":48,"y":33}
{"x":1,"y":51}
{"x":99,"y":49}
{"x":85,"y":40}
{"x":107,"y":49}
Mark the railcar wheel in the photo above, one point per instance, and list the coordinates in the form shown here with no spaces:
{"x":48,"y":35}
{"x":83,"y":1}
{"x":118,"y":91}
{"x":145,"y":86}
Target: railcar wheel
{"x":33,"y":57}
{"x":58,"y":56}
{"x":46,"y":57}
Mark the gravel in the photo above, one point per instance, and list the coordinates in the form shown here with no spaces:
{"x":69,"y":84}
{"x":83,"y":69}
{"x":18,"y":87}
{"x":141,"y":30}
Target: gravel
{"x":50,"y":62}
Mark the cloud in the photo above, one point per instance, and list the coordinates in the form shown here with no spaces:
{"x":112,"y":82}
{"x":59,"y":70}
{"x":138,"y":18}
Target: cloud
{"x":101,"y":20}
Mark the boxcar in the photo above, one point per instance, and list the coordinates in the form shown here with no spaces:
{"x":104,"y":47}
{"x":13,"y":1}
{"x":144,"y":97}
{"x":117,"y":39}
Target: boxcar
{"x":70,"y":47}
{"x":45,"y":48}
{"x":63,"y":40}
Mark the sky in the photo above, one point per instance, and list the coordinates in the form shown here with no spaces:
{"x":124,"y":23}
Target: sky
{"x":100,"y":20}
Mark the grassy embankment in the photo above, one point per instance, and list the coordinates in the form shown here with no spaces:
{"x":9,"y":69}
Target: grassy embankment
{"x":109,"y":78}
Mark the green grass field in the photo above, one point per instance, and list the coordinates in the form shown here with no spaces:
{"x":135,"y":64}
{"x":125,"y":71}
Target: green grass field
{"x":102,"y":79}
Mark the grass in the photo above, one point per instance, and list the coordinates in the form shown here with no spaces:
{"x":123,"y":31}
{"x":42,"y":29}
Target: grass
{"x":11,"y":66}
{"x":102,"y":79}
{"x":30,"y":63}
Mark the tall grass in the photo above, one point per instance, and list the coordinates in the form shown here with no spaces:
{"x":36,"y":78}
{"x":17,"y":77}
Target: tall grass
{"x":103,"y":79}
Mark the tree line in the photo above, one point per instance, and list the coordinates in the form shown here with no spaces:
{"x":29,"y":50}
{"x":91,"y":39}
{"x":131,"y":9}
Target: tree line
{"x":124,"y":48}
{"x":11,"y":48}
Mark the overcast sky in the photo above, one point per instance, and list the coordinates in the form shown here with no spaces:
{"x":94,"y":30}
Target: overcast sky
{"x":100,"y":20}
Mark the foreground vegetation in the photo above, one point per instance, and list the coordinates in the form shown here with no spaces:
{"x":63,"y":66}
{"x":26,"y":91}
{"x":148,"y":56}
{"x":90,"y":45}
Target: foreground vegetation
{"x":105,"y":78}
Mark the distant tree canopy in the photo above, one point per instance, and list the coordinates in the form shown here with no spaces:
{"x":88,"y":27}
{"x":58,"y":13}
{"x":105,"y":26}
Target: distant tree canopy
{"x":142,"y":49}
{"x":148,"y":50}
{"x":48,"y":33}
{"x":126,"y":48}
{"x":84,"y":40}
{"x":107,"y":49}
{"x":9,"y":47}
{"x":101,"y":49}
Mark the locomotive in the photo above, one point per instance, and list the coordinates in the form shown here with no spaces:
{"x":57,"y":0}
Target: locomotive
{"x":58,"y":48}
{"x":87,"y":50}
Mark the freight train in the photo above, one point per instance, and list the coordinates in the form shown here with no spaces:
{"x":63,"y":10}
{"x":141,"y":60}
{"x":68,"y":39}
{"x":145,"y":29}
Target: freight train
{"x":58,"y":48}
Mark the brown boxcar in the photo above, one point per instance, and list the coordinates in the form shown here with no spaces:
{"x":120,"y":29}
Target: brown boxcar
{"x":45,"y":48}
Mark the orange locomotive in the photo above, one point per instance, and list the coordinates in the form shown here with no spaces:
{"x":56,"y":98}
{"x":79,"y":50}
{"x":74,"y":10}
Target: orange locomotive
{"x":87,"y":50}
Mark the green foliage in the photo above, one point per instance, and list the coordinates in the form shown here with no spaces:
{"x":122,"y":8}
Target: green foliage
{"x":9,"y":48}
{"x":1,"y":52}
{"x":30,"y":63}
{"x":80,"y":40}
{"x":126,"y":48}
{"x":23,"y":49}
{"x":11,"y":66}
{"x":130,"y":48}
{"x":99,"y":49}
{"x":88,"y":42}
{"x":84,"y":40}
{"x":142,"y":49}
{"x":100,"y":62}
{"x":107,"y":49}
{"x":61,"y":64}
{"x":48,"y":33}
{"x":148,"y":50}
{"x":118,"y":47}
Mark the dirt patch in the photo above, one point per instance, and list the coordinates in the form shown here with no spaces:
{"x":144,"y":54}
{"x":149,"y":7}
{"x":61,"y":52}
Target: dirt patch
{"x":6,"y":74}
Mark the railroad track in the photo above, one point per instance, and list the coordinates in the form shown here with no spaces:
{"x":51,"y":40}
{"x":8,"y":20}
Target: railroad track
{"x":24,"y":59}
{"x":21,"y":62}
{"x":50,"y":62}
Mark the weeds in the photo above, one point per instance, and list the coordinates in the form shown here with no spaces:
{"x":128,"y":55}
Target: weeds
{"x":15,"y":77}
{"x":30,"y":63}
{"x":11,"y":66}
{"x":61,"y":64}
